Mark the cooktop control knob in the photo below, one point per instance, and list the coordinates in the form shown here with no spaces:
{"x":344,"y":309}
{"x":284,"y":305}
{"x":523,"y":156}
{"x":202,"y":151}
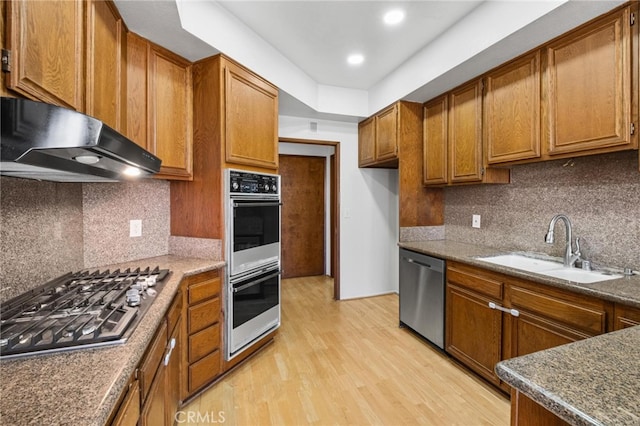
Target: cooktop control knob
{"x":234,"y":185}
{"x":266,"y":187}
{"x":274,"y":188}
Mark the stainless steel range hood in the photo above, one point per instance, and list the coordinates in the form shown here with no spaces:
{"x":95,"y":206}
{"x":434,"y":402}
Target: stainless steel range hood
{"x":47,"y":142}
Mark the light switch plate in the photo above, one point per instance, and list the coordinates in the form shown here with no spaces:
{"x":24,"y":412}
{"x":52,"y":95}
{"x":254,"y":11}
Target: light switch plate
{"x":135,"y":228}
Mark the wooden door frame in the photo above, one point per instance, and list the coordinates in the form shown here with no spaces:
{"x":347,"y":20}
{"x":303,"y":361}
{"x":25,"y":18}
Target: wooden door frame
{"x":335,"y":206}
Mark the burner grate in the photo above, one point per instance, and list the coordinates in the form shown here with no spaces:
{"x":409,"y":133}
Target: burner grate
{"x":79,"y":309}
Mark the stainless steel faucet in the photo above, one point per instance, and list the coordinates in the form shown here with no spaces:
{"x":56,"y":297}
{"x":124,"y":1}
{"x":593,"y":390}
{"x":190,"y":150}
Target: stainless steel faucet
{"x":570,"y":257}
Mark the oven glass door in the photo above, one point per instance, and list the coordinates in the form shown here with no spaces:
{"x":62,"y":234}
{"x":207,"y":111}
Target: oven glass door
{"x":255,"y":234}
{"x":255,"y":307}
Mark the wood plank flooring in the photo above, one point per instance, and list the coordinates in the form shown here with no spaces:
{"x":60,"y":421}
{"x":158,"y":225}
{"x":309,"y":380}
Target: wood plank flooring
{"x":346,"y":363}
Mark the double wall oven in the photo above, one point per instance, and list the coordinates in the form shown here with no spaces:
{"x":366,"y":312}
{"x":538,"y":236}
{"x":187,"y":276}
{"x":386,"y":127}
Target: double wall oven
{"x":252,"y":215}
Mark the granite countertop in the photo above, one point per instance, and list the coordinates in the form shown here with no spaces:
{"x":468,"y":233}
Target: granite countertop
{"x":590,"y":382}
{"x":624,"y":290}
{"x":81,"y":387}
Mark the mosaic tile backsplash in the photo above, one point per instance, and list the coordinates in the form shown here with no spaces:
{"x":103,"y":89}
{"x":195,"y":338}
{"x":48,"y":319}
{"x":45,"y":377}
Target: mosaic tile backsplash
{"x":600,"y":194}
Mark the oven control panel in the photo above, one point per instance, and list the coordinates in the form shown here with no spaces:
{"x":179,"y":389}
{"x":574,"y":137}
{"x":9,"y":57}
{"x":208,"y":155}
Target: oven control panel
{"x":250,"y":183}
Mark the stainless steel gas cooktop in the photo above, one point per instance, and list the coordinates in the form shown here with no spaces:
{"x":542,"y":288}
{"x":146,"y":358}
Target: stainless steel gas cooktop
{"x":78,"y":310}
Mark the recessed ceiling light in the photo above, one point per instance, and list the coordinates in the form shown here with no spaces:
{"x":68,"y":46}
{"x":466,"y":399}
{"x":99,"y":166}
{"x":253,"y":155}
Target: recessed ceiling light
{"x":355,"y":59}
{"x":394,"y":17}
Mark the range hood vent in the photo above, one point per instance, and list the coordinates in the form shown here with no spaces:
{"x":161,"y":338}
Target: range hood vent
{"x":47,"y":142}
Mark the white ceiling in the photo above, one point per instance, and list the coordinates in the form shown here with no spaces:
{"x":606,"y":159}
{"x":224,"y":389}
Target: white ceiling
{"x":318,"y":36}
{"x":440,"y":44}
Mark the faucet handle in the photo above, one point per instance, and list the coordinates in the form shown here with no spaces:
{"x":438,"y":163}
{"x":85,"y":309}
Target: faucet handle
{"x":577,"y":246}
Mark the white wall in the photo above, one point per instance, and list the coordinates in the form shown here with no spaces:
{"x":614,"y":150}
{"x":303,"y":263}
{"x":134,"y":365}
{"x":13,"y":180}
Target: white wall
{"x":368,"y":211}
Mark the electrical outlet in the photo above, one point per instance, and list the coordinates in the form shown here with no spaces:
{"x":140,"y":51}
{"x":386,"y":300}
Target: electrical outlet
{"x":475,"y":221}
{"x":135,"y":228}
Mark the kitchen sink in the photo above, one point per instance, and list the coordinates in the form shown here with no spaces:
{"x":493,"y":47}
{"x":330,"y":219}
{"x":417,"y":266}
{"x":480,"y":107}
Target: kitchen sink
{"x":580,"y":276}
{"x":549,"y":268}
{"x":522,"y":262}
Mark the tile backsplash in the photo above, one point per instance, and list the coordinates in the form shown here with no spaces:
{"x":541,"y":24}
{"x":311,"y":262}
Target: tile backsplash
{"x":49,"y":229}
{"x":108,"y":208}
{"x":40,"y":233}
{"x":600,"y":194}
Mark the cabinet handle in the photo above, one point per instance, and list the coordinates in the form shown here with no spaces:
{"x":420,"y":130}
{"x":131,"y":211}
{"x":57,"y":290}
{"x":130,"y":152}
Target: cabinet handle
{"x":167,"y":357}
{"x":513,"y":312}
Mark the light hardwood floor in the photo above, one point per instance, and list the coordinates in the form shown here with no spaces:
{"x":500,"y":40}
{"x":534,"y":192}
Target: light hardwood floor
{"x":346,"y":363}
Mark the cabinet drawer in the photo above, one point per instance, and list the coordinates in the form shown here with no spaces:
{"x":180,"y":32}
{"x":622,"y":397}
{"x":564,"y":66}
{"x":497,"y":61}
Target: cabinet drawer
{"x":203,"y":371}
{"x":584,"y":317}
{"x":481,"y":284}
{"x":174,"y":313}
{"x":206,"y":289}
{"x":152,"y":360}
{"x":204,"y":342}
{"x":203,"y":315}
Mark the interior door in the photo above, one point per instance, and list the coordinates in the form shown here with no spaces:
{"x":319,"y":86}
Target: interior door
{"x":303,"y":215}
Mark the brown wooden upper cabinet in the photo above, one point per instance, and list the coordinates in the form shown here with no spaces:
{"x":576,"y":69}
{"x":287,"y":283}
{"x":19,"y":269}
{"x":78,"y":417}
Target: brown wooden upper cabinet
{"x":589,"y":105}
{"x":160,"y":106}
{"x":436,"y":144}
{"x":512,"y":111}
{"x":81,"y":67}
{"x":452,"y":140}
{"x":378,"y":139}
{"x":250,"y":99}
{"x":46,"y":40}
{"x":106,"y":66}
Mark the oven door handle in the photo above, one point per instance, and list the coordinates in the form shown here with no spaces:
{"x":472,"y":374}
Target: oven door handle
{"x":252,"y":283}
{"x":275,"y":203}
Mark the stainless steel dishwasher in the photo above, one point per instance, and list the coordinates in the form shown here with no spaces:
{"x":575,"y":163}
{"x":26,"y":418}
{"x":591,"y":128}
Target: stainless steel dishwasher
{"x":422,"y":295}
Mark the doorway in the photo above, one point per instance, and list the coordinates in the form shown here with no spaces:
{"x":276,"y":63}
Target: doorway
{"x":310,"y":224}
{"x":303,"y":215}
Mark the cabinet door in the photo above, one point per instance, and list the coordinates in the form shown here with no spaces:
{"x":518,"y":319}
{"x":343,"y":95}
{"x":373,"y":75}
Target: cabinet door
{"x":435,"y":142}
{"x":46,"y":41}
{"x":465,"y":133}
{"x":129,"y":411}
{"x":532,"y":333}
{"x":386,"y":146}
{"x":474,"y":331}
{"x":105,"y":64}
{"x":251,"y":119}
{"x":170,"y":113}
{"x":512,"y":111}
{"x":137,"y":64}
{"x":550,"y":317}
{"x":366,"y":142}
{"x":588,"y":85}
{"x":154,"y":411}
{"x":173,"y":373}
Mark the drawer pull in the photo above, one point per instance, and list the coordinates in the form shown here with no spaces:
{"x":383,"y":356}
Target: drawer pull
{"x":167,"y":357}
{"x":513,"y":312}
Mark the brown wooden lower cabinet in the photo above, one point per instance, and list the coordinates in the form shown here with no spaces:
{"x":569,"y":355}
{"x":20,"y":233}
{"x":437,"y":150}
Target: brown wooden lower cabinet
{"x":160,"y":371}
{"x":202,"y":331}
{"x":527,"y":412}
{"x":491,"y":317}
{"x":129,"y":410}
{"x":626,"y":316}
{"x":473,"y":329}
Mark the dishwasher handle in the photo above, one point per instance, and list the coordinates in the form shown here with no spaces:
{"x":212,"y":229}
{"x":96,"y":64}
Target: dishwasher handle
{"x":408,"y":259}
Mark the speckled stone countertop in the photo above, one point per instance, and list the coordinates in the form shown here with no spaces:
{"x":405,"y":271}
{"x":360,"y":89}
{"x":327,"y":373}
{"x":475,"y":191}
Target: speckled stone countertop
{"x":624,"y":290}
{"x":590,"y":382}
{"x":81,"y":387}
